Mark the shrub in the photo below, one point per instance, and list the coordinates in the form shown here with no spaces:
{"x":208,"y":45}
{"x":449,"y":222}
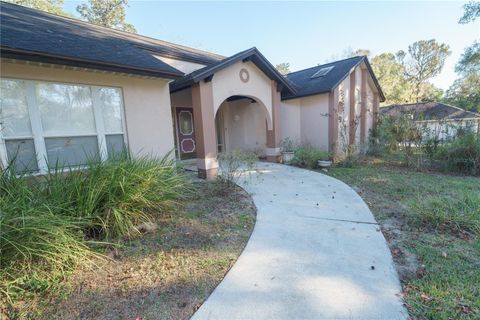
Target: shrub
{"x":233,"y":164}
{"x":350,"y":158}
{"x":431,"y":146}
{"x":287,"y":145}
{"x":376,"y":147}
{"x":397,"y":133}
{"x":308,"y":157}
{"x":461,"y":154}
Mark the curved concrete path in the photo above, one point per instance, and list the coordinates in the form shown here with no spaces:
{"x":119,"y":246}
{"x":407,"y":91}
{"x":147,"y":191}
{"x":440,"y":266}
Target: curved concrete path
{"x":316,"y":252}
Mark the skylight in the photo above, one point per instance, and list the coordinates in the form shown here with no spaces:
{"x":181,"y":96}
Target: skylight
{"x":322,"y":72}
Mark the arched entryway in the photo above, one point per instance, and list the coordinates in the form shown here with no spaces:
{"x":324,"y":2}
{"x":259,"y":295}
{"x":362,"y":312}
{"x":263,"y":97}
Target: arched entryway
{"x":251,"y":87}
{"x":241,"y":123}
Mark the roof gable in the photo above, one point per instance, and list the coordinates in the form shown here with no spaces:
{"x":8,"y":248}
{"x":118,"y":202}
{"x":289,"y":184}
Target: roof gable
{"x":30,"y":34}
{"x":251,"y":54}
{"x":307,"y":84}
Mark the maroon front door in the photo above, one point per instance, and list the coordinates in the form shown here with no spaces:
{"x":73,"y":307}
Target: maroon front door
{"x":186,"y":133}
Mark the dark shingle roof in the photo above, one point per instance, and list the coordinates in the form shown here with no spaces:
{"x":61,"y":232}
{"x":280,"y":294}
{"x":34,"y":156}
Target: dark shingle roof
{"x":306,"y":86}
{"x":429,"y":111}
{"x":30,"y":34}
{"x":251,"y":54}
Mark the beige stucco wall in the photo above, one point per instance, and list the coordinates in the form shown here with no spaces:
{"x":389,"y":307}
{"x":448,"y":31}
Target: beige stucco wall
{"x":227,"y":83}
{"x":312,"y":112}
{"x":146,"y":101}
{"x":290,"y":115}
{"x":244,"y":125}
{"x":314,"y":121}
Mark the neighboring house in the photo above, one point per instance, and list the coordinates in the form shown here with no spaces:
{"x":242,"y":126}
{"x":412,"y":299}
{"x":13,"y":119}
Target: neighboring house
{"x":436,"y":119}
{"x":71,"y":89}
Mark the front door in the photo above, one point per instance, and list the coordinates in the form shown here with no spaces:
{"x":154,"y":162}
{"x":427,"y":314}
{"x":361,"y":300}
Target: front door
{"x":186,"y":133}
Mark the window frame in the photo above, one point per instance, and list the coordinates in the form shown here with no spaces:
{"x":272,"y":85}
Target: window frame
{"x":38,"y":134}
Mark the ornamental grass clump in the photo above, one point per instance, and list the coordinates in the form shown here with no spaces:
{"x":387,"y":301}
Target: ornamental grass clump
{"x":48,"y":224}
{"x":454,"y":215}
{"x":117,"y":195}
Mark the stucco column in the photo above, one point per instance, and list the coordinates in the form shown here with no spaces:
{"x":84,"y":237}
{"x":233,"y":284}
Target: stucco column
{"x":205,"y":138}
{"x":353,"y":125}
{"x":363,"y":109}
{"x":333,"y":122}
{"x":376,"y":105}
{"x":273,"y":136}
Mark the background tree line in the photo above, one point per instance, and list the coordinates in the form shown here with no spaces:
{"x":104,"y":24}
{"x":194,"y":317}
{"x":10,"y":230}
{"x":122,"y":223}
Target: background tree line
{"x":405,"y":75}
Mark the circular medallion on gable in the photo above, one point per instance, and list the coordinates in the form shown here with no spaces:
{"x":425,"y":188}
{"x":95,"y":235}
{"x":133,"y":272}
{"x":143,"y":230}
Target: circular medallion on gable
{"x":244,"y":75}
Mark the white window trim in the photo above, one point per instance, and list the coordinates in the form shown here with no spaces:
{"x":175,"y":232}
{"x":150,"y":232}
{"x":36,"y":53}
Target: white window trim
{"x":37,"y":128}
{"x":98,"y":116}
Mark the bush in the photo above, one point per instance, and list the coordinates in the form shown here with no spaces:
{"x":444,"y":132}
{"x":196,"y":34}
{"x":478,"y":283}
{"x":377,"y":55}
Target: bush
{"x":233,"y":164}
{"x":399,"y":133}
{"x":287,"y":145}
{"x":461,"y":154}
{"x":376,"y":147}
{"x":351,"y":157}
{"x":308,"y":157}
{"x":46,"y":221}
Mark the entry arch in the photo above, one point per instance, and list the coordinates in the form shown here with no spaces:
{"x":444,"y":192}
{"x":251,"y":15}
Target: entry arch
{"x":241,"y":122}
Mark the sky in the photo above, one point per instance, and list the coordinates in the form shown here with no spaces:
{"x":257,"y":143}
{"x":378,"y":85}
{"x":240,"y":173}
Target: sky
{"x":305,"y":34}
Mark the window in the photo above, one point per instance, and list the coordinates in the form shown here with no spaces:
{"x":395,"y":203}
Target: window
{"x":44,"y":124}
{"x":322,"y":72}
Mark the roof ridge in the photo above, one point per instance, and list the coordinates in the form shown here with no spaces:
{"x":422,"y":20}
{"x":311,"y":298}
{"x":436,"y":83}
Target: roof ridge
{"x":119,"y":32}
{"x":322,"y":65}
{"x":409,"y":104}
{"x":457,"y":109}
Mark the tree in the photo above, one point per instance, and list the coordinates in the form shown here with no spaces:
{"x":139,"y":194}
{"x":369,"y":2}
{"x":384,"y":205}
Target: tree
{"x":471,"y":12}
{"x":425,"y":60}
{"x":358,"y":52}
{"x":108,"y":13}
{"x":390,"y":74}
{"x":465,"y":92}
{"x":283,"y":68}
{"x":51,"y":6}
{"x":470,"y":60}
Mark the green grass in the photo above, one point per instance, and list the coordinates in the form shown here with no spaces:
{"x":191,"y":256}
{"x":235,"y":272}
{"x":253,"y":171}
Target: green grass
{"x":435,"y":218}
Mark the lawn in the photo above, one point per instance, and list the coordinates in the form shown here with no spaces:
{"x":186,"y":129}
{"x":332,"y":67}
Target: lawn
{"x":432,"y":224}
{"x":164,"y":273}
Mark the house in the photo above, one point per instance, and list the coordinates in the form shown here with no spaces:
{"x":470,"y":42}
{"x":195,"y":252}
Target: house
{"x":436,"y":119}
{"x":70,"y":89}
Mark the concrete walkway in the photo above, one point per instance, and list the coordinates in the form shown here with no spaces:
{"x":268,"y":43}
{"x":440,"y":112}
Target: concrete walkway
{"x":316,"y":253}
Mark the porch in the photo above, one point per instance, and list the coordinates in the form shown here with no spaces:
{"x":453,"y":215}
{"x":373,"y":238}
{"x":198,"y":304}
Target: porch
{"x":232,"y":105}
